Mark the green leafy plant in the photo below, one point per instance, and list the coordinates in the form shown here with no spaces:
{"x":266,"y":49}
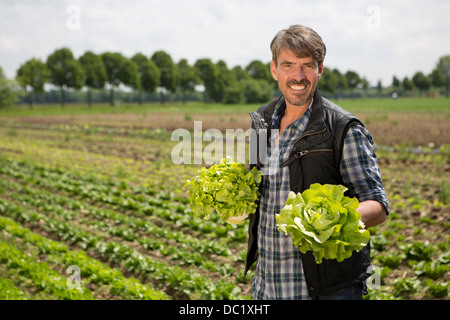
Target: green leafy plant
{"x":378,"y":242}
{"x":392,"y":260}
{"x":438,"y":290}
{"x":8,"y":291}
{"x":227,"y":187}
{"x":419,"y":250}
{"x":323,"y":220}
{"x":406,"y":286}
{"x":433,"y":269}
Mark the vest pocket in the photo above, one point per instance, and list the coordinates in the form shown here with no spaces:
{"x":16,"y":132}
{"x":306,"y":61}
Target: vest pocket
{"x":313,"y":152}
{"x":309,"y":166}
{"x":304,"y":153}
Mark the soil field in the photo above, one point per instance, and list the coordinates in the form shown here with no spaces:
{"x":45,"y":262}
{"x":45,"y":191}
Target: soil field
{"x":413,"y":128}
{"x":92,"y":207}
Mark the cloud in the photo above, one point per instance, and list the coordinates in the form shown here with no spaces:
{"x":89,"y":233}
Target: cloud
{"x":410,"y":35}
{"x":10,"y":45}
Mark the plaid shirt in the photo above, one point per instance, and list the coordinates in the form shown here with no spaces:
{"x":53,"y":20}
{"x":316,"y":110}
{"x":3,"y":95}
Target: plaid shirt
{"x":279,"y":272}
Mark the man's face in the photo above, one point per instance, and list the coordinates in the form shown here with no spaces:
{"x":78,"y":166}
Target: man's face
{"x":297,"y":77}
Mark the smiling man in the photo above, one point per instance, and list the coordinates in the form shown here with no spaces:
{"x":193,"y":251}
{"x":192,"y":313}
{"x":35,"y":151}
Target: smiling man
{"x":315,"y":141}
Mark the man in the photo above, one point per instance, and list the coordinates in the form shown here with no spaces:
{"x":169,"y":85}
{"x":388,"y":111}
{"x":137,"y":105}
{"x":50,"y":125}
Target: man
{"x":316,"y":142}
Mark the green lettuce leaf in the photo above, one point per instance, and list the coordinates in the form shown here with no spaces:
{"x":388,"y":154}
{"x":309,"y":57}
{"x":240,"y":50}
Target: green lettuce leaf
{"x":324,"y":221}
{"x":228,"y":188}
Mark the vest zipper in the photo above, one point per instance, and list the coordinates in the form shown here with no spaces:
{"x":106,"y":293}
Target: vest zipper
{"x":301,"y":154}
{"x":305,"y":152}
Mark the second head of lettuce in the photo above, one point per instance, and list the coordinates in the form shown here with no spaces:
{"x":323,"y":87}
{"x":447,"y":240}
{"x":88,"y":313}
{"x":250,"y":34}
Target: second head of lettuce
{"x":324,"y":221}
{"x":227,"y":187}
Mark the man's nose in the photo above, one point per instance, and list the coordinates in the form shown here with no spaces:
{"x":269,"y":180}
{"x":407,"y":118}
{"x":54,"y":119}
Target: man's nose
{"x":298,"y":73}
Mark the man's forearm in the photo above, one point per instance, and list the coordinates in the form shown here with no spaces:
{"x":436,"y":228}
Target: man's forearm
{"x":372,"y":213}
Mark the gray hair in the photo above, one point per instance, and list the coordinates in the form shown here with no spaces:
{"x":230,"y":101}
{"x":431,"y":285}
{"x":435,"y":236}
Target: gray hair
{"x":301,"y":40}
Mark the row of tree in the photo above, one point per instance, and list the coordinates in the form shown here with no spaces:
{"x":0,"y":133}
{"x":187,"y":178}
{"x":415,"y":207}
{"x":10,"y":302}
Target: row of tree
{"x":334,"y":82}
{"x":160,"y":73}
{"x":143,"y":74}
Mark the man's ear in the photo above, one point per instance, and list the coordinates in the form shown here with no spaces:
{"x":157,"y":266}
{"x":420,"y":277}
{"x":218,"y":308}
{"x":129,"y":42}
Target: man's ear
{"x":320,"y":70}
{"x":273,"y":70}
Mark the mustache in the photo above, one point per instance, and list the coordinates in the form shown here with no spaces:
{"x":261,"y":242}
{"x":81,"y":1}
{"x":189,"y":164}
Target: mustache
{"x":298,"y":83}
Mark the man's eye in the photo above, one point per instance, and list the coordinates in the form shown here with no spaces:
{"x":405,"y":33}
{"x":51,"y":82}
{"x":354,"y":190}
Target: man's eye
{"x":309,"y":66}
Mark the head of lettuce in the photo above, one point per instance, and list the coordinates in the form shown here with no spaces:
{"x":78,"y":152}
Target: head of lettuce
{"x":324,"y":221}
{"x":226,"y":187}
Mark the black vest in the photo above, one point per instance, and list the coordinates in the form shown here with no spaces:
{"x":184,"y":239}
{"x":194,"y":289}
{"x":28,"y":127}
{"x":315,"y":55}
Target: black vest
{"x":316,"y":158}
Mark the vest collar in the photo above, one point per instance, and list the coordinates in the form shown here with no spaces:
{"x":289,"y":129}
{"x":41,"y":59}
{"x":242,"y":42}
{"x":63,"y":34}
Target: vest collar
{"x":316,"y":121}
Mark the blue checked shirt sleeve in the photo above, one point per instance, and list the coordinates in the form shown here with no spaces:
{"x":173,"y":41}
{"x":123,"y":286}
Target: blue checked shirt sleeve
{"x":359,"y":167}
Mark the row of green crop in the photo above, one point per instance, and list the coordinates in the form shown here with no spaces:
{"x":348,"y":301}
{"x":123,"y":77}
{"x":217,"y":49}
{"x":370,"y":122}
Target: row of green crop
{"x":430,"y":274}
{"x":46,"y":279}
{"x":140,"y":199}
{"x":194,"y":285}
{"x":88,"y":157}
{"x":162,"y":206}
{"x":146,"y":204}
{"x":93,"y":128}
{"x":71,"y":234}
{"x":173,"y":213}
{"x":186,"y":249}
{"x":42,"y":277}
{"x":9,"y":291}
{"x":175,"y":210}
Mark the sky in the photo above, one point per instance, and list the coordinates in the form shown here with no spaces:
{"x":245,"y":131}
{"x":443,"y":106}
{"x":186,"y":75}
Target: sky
{"x":377,"y":39}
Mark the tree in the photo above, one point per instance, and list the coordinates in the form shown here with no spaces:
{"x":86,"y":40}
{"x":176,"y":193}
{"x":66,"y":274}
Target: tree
{"x":353,"y":79}
{"x":148,"y":73}
{"x":234,"y":93}
{"x":329,"y":81}
{"x":65,"y":71}
{"x":8,"y":90}
{"x":130,"y":74}
{"x":258,"y":70}
{"x":226,"y":79}
{"x":33,"y":74}
{"x":421,"y":81}
{"x":94,"y":72}
{"x":364,"y":83}
{"x":240,"y":74}
{"x":340,"y":80}
{"x":119,"y":70}
{"x":257,"y":91}
{"x":407,"y":84}
{"x":437,"y":80}
{"x":169,"y":77}
{"x":189,"y":78}
{"x":443,"y":66}
{"x":209,"y":74}
{"x":379,"y":88}
{"x":395,"y":82}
